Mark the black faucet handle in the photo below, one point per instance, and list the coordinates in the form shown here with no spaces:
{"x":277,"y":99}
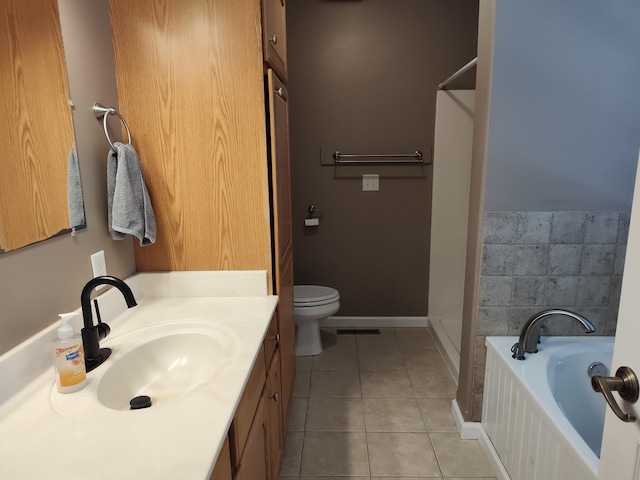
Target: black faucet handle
{"x":97,"y":309}
{"x":103,"y":330}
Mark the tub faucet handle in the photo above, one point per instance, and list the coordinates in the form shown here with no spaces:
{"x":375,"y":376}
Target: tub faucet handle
{"x":517,"y":351}
{"x":625,"y":383}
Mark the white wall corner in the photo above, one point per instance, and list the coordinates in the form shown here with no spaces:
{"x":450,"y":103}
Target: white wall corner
{"x":475,"y":431}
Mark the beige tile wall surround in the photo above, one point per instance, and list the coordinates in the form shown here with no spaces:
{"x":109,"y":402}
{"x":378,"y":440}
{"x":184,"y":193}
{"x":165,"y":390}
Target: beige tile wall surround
{"x":387,"y":423}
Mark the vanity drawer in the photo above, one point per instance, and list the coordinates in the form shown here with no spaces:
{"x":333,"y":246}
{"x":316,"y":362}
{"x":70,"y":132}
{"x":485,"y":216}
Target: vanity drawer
{"x":247,"y":408}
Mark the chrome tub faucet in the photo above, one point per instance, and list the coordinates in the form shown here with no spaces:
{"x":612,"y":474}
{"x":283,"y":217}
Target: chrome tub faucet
{"x":530,"y":334}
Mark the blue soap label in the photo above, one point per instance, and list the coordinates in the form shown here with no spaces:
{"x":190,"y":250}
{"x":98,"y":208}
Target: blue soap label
{"x":73,"y":355}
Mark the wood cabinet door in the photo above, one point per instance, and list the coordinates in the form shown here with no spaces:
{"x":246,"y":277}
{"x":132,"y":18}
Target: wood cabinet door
{"x":244,"y":418}
{"x":273,"y":396}
{"x":190,"y":84}
{"x":271,"y":340}
{"x":287,"y":330}
{"x":283,"y":243}
{"x":254,"y":462}
{"x":274,"y":33}
{"x":222,"y":469}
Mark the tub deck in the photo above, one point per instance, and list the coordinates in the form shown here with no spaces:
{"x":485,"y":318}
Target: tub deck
{"x":531,"y":434}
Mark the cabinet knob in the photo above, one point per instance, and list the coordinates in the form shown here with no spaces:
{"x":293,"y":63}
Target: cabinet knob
{"x":274,"y":39}
{"x":276,"y":338}
{"x":275,"y":396}
{"x":279,"y":92}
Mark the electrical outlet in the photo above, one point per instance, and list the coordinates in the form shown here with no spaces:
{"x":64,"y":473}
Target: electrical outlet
{"x":370,"y":182}
{"x":98,"y":264}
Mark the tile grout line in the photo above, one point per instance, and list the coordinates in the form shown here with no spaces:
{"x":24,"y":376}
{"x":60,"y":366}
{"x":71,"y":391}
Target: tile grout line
{"x":361,"y":397}
{"x":364,"y":417}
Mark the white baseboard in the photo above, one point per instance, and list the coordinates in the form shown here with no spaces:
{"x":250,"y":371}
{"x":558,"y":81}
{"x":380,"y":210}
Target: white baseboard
{"x":374,"y":322}
{"x":475,"y":431}
{"x":446,"y":347}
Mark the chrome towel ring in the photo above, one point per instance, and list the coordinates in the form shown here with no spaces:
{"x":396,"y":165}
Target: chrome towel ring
{"x":103,"y":112}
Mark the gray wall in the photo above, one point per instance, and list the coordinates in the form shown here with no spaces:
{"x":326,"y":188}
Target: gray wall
{"x":362,"y":78}
{"x":565,"y":108}
{"x":42,"y":280}
{"x":562,"y":149}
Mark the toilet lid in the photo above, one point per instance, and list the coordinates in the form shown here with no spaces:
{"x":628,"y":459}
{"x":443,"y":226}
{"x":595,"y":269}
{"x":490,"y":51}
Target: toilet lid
{"x":309,"y":295}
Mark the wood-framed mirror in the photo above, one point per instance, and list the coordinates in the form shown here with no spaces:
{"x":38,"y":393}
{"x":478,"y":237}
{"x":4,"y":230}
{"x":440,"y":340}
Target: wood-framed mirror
{"x":36,"y":127}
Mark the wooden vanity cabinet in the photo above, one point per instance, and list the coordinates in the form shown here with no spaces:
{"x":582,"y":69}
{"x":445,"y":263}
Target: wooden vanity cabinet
{"x":274,"y":33}
{"x":273,"y":396}
{"x":214,"y":147}
{"x":247,"y":407}
{"x":222,"y":469}
{"x":256,"y":433}
{"x":278,"y":108}
{"x":254,"y":461}
{"x":190,"y":77}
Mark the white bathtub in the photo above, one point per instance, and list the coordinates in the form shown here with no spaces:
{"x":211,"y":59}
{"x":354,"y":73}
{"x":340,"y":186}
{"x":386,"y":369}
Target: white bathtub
{"x":541,"y":415}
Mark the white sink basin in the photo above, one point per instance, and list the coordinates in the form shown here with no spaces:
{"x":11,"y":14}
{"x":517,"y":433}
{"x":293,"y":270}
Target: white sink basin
{"x":166,"y":361}
{"x":163,"y":369}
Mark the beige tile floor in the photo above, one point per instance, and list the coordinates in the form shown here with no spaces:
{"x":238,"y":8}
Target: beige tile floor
{"x":377,"y":407}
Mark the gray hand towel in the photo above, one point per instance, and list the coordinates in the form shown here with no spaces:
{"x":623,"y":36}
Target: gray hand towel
{"x":130,"y":210}
{"x":74,"y":192}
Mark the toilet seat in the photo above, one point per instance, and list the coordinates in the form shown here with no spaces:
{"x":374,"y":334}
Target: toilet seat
{"x":314,"y":295}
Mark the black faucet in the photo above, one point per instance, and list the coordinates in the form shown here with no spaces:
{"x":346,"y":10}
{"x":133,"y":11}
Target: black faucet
{"x":92,"y":334}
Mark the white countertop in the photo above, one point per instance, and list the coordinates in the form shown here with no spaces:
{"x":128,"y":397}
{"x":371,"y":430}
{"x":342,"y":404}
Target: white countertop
{"x":44,"y":434}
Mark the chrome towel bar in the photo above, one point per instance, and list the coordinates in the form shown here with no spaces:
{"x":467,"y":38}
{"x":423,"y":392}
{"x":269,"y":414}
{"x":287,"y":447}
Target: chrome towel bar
{"x":353,"y":158}
{"x":103,"y":112}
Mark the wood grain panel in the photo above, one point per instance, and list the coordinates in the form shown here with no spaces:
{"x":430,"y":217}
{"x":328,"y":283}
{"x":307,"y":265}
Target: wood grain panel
{"x":273,"y":397}
{"x":190,"y":83}
{"x":243,"y":418}
{"x":271,"y":340}
{"x":36,"y":131}
{"x":281,"y":168}
{"x":222,"y":468}
{"x":274,"y":22}
{"x":255,"y":462}
{"x":283,"y":243}
{"x":287,"y":330}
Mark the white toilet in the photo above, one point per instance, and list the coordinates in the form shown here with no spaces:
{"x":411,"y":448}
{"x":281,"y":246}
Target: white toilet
{"x":312,"y":303}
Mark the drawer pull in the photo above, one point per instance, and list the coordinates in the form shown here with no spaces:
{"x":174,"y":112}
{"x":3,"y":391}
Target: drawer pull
{"x":274,"y":39}
{"x":276,"y":338}
{"x":279,"y":92}
{"x":275,"y":396}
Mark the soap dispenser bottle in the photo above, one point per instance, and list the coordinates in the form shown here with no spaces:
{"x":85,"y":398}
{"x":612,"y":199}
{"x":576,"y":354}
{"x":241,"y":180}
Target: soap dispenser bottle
{"x":71,"y":373}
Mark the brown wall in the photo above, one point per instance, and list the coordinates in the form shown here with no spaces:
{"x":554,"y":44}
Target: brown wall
{"x":363,"y":77}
